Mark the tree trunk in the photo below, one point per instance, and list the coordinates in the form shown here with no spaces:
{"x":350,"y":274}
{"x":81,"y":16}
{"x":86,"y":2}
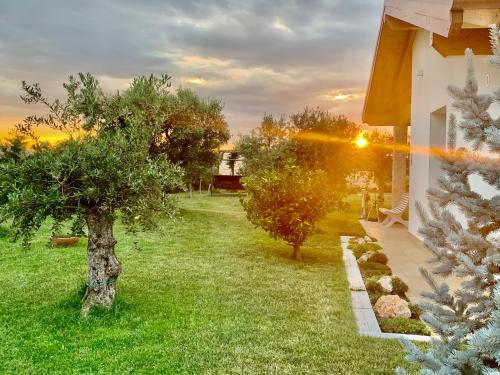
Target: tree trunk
{"x":296,"y":253}
{"x":104,"y":267}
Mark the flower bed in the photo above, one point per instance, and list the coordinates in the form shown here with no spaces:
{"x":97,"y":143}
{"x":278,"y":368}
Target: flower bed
{"x":387,"y":293}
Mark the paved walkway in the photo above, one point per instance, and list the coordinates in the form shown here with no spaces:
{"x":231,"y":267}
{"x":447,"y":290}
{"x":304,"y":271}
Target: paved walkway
{"x":406,"y":255}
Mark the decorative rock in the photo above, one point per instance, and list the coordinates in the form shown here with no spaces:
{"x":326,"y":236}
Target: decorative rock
{"x":385,"y":283}
{"x":367,"y":239}
{"x":361,"y":240}
{"x":366,"y":257}
{"x":392,"y":306}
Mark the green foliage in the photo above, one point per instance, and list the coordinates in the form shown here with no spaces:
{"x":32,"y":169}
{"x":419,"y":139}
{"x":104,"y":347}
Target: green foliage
{"x":287,"y":203}
{"x":399,"y":287}
{"x":372,"y":285}
{"x":191,"y":130}
{"x":416,"y":311}
{"x":362,"y":248}
{"x":5,"y":232}
{"x":369,"y":269}
{"x":12,"y":152}
{"x":266,"y":148}
{"x":105,"y":164}
{"x":403,"y":325}
{"x":374,"y":296}
{"x":13,"y":149}
{"x":378,"y":257}
{"x":321,"y":140}
{"x":313,"y":139}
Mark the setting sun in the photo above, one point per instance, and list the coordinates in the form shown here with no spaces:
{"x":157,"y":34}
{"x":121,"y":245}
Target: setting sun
{"x":361,"y":141}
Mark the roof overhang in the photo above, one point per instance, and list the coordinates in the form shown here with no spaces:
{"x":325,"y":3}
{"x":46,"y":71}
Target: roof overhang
{"x":454,"y":25}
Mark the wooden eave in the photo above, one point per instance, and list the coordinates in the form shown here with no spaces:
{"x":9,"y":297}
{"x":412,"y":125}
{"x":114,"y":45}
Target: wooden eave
{"x":388,"y":96}
{"x":454,"y":25}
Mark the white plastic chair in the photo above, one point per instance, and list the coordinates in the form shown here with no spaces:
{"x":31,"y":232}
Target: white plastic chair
{"x":394,"y":214}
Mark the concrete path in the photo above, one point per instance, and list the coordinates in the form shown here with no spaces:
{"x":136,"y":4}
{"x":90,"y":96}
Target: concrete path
{"x":406,"y":255}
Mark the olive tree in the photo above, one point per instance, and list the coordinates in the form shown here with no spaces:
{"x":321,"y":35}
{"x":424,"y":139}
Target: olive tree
{"x":191,"y":132}
{"x":103,"y":169}
{"x":287,"y":203}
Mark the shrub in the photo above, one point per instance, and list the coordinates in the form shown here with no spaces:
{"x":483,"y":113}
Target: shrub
{"x":369,"y":269}
{"x":404,"y":325}
{"x":378,"y":257}
{"x":399,"y":287}
{"x":415,"y":311}
{"x":372,"y":272}
{"x":372,"y":285}
{"x":4,"y":232}
{"x":374,"y":296}
{"x":363,"y":248}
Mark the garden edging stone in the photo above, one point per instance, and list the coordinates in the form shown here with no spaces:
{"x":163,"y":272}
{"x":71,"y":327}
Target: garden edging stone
{"x":363,"y":311}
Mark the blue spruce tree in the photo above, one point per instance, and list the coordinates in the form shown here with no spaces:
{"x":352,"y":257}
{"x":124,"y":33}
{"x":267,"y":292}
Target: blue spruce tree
{"x":467,"y":320}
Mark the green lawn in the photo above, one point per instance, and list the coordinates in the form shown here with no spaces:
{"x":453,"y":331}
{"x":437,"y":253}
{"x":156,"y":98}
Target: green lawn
{"x":207,"y":294}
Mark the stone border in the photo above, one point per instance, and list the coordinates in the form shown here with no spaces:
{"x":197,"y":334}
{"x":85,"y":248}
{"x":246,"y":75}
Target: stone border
{"x":361,"y":306}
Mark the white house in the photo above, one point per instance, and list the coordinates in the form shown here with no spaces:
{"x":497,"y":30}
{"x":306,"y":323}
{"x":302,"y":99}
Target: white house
{"x":420,"y":51}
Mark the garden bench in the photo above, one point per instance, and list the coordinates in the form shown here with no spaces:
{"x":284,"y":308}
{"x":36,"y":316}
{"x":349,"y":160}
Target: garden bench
{"x":225,"y":182}
{"x":394,"y":215}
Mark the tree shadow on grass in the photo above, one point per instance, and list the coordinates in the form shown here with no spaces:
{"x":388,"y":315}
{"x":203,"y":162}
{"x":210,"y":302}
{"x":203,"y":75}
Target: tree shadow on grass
{"x":64,"y":314}
{"x":283,"y":253}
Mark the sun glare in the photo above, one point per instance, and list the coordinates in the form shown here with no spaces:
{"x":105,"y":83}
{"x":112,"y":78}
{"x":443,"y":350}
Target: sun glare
{"x":361,"y":141}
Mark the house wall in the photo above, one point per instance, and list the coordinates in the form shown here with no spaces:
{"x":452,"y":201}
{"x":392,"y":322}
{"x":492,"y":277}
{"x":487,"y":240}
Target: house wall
{"x":431,"y":74}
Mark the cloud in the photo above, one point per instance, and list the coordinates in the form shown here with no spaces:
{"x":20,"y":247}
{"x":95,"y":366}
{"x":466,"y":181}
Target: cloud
{"x":257,"y":56}
{"x":278,"y":25}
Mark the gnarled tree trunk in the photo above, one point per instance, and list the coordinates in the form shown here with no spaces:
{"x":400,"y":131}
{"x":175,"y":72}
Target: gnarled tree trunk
{"x":104,"y":267}
{"x":296,"y":253}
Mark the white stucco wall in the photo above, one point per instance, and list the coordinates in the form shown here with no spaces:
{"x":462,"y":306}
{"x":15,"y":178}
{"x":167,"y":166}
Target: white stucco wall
{"x":431,"y":74}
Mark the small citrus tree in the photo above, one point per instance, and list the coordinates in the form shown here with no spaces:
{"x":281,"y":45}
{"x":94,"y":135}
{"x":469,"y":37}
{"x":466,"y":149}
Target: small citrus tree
{"x":287,"y":203}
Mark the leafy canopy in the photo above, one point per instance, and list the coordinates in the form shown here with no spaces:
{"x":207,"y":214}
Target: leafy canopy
{"x":287,"y":203}
{"x":191,"y":131}
{"x":104,"y":166}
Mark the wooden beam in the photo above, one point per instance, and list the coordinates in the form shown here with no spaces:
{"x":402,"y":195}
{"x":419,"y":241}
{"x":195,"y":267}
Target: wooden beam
{"x":457,"y":20}
{"x":396,"y":24}
{"x":475,"y":4}
{"x":437,"y":21}
{"x":481,"y":18}
{"x":455,"y":45}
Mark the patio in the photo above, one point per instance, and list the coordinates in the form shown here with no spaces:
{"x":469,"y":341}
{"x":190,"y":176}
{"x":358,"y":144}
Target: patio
{"x":406,"y":255}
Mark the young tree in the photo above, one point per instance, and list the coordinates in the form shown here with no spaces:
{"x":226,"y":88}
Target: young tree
{"x":287,"y":203}
{"x":468,"y":320}
{"x":104,"y":167}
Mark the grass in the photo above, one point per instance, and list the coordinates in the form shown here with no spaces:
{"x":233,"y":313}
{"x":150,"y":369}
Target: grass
{"x":206,"y":294}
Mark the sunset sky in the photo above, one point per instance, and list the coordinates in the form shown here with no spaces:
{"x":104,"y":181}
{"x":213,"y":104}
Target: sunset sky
{"x":256,"y":56}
